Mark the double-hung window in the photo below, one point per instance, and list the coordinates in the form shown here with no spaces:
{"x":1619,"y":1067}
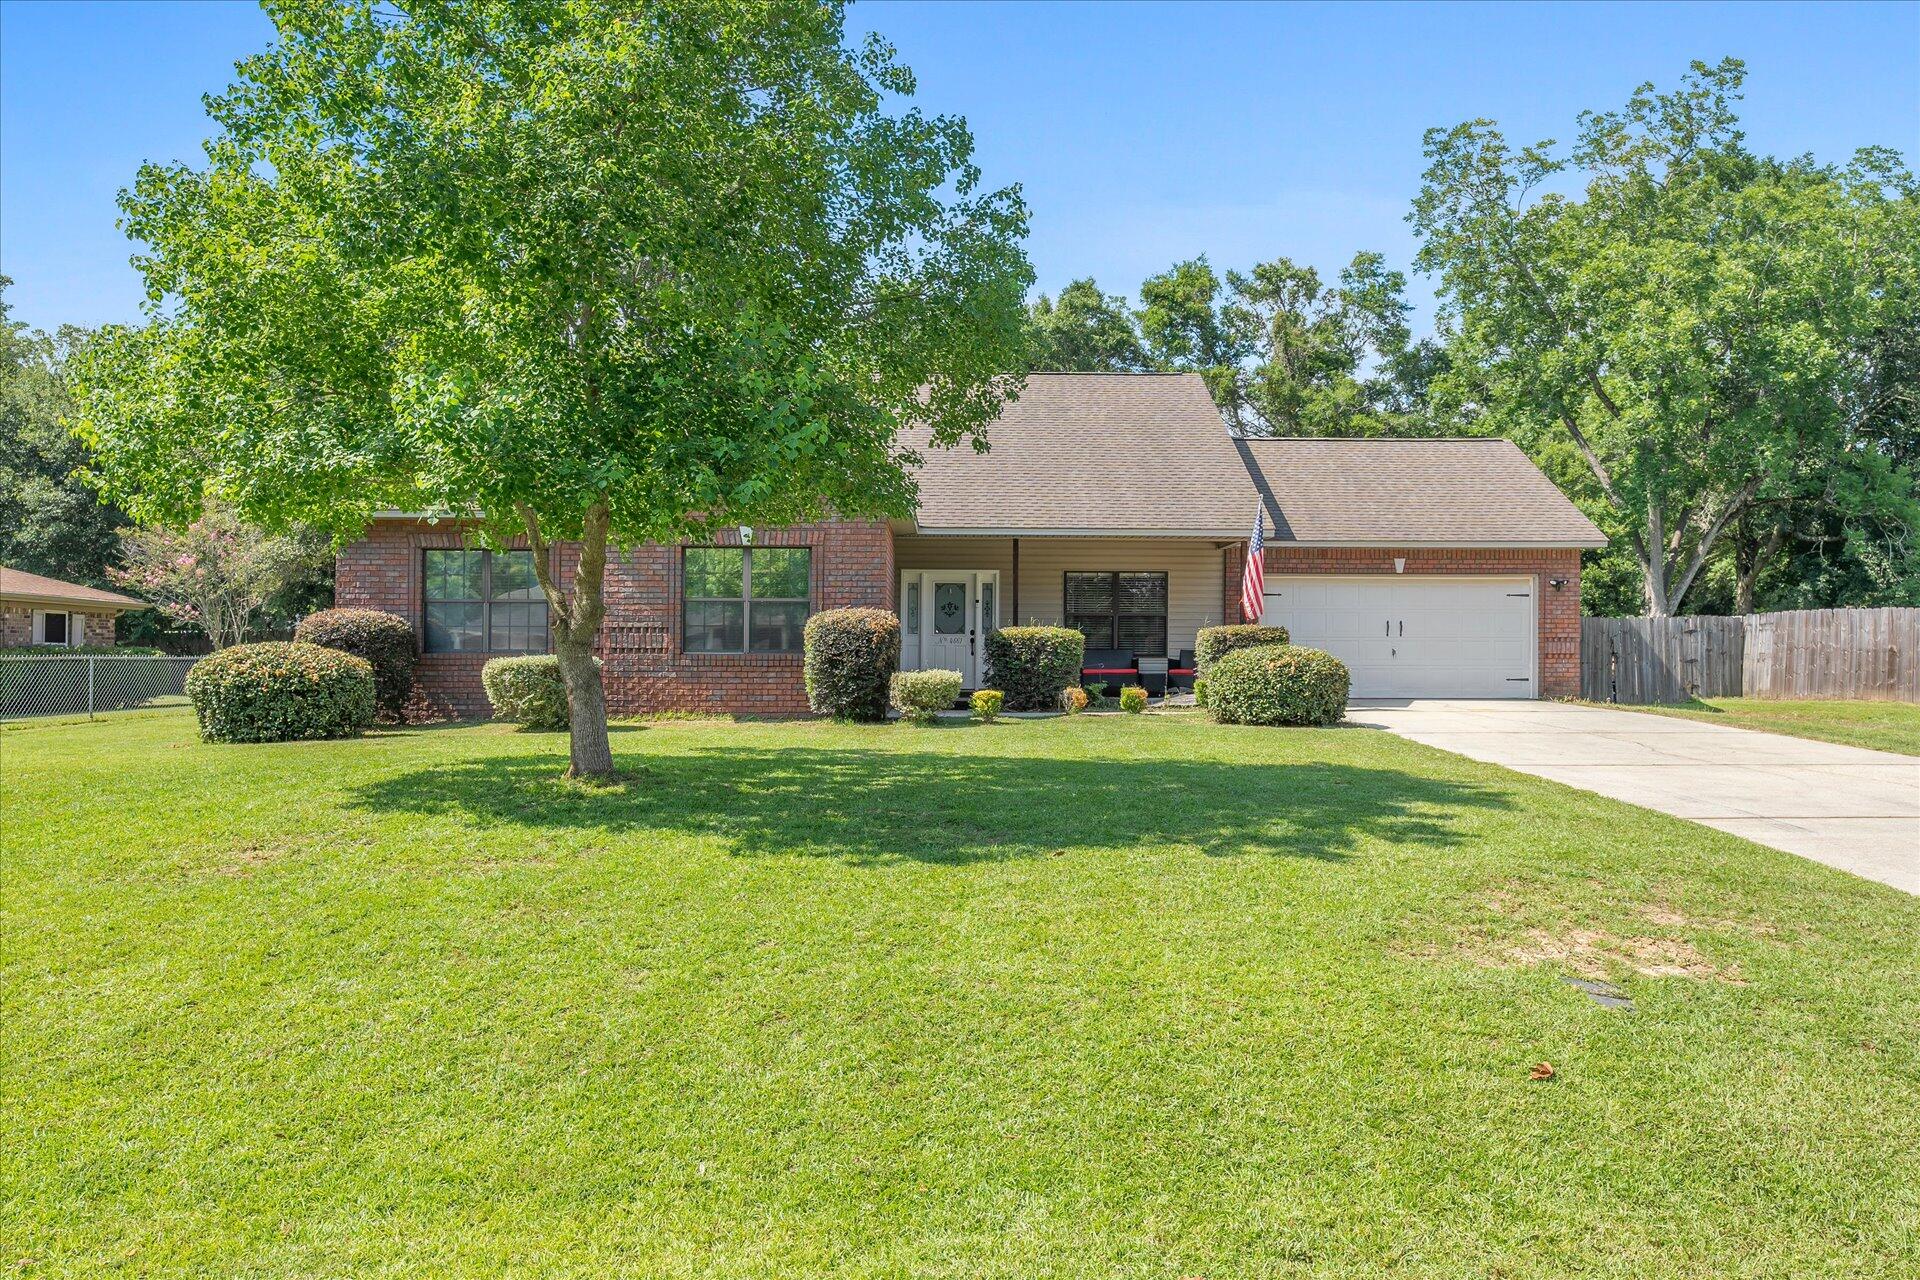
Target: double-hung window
{"x":746,"y":599}
{"x":1120,"y":611}
{"x":484,"y":602}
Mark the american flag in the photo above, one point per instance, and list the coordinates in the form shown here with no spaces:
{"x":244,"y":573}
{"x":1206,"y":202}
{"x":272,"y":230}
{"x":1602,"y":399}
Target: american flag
{"x":1253,"y":581}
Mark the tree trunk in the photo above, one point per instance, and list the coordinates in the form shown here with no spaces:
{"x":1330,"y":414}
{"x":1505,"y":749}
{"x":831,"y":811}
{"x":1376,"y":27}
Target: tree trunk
{"x":576,"y":622}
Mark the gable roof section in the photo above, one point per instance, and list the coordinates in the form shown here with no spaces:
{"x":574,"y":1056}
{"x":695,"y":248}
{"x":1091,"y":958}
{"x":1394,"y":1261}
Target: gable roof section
{"x":1097,"y":453}
{"x":1466,"y":492}
{"x":17,"y":584}
{"x":1149,"y":455}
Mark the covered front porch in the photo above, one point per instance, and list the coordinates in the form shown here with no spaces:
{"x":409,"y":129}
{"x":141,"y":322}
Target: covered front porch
{"x":1146,"y":596}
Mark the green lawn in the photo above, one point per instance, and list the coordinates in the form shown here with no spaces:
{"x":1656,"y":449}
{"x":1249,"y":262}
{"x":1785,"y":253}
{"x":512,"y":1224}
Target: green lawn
{"x":1883,"y":726}
{"x":1093,"y":997}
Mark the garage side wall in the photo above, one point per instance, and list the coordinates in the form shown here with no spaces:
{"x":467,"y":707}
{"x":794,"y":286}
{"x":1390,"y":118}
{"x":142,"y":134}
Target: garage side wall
{"x":1559,"y":639}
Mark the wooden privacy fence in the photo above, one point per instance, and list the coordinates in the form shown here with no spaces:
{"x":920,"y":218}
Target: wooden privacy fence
{"x":1806,"y":653}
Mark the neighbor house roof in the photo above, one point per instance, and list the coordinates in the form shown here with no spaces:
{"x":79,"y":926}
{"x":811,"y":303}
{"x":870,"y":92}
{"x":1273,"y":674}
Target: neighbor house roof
{"x":1149,"y":455}
{"x":1479,"y":492}
{"x":32,"y":588}
{"x":1093,"y":453}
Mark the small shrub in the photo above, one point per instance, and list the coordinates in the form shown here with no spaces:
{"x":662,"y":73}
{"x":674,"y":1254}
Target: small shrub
{"x":1215,"y":643}
{"x":1096,"y":695}
{"x":850,"y":655}
{"x":281,"y":692}
{"x":385,"y":640}
{"x":529,"y":691}
{"x":1199,"y":691}
{"x":1133,"y":699}
{"x":1073,"y":700}
{"x":1033,"y":664}
{"x":986,"y":704}
{"x":919,"y":694}
{"x":1277,"y":684}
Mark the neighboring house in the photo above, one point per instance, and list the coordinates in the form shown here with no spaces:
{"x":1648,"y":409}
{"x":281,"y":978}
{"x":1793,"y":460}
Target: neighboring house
{"x":1114,"y":503}
{"x":35,"y":610}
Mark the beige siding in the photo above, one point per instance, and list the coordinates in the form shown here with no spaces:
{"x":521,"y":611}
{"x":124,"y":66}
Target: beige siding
{"x":1193,"y":568}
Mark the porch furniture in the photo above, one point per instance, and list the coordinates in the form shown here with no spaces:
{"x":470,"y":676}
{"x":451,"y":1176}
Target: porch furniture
{"x":1181,"y":671}
{"x":1109,"y":668}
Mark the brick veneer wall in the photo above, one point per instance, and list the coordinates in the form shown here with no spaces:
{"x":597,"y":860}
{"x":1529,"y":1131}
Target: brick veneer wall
{"x":1559,"y":612}
{"x":16,"y":626}
{"x":640,"y":644}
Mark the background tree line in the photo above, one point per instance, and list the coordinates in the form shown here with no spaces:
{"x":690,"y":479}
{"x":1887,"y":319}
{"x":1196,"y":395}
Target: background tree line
{"x":1715,"y":353}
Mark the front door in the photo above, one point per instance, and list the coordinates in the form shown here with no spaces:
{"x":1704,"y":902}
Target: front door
{"x":944,"y":617}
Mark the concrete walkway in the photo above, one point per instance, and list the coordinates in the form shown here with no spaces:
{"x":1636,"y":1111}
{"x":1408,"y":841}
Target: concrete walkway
{"x":1850,"y":808}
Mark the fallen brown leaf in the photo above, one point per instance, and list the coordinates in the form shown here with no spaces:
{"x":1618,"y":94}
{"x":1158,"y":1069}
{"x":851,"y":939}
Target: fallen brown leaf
{"x":1541,"y":1071}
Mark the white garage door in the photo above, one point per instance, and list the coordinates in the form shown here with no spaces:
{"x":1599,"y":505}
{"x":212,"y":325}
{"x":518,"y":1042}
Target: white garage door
{"x":1410,"y":637}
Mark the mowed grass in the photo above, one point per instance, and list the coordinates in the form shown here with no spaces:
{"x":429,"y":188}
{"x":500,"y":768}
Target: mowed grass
{"x":1103,"y":996}
{"x":1881,"y":726}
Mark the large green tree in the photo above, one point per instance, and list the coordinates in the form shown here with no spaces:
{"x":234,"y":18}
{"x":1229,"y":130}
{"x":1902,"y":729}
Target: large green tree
{"x":600,"y":273}
{"x":1084,"y":331}
{"x":50,"y":521}
{"x":1696,"y":321}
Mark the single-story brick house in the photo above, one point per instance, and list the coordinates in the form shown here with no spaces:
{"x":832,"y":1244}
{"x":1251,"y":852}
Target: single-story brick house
{"x":1115,"y":503}
{"x":37,"y":610}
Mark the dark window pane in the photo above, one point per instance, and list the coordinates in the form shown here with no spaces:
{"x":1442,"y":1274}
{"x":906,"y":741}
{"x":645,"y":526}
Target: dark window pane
{"x":1096,"y":627}
{"x":513,"y":576}
{"x":56,"y":628}
{"x":1143,"y":593}
{"x":780,"y":573}
{"x":1090,"y":593}
{"x":518,"y":627}
{"x":1146,"y":636}
{"x":714,"y":626}
{"x":452,"y":628}
{"x":716,"y":572}
{"x":454,"y":575}
{"x":777,"y":626}
{"x":949,"y":608}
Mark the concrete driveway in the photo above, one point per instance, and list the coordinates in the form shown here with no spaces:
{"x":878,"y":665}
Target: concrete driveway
{"x":1848,"y":807}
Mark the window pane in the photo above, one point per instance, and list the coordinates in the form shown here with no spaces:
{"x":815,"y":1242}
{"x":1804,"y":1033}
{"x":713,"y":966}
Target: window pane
{"x":1143,"y":593}
{"x":949,"y":608}
{"x":1090,"y":593}
{"x":519,"y":627}
{"x":1146,"y":636}
{"x":989,"y":617}
{"x":454,"y":575}
{"x":452,"y":628}
{"x":513,"y":577}
{"x":913,"y":608}
{"x":777,"y":626}
{"x":714,"y":626}
{"x":716,"y":572}
{"x":56,"y":628}
{"x":1096,"y":627}
{"x":780,"y":573}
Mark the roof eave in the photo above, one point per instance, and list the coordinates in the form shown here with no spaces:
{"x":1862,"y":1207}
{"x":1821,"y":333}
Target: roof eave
{"x":71,"y":602}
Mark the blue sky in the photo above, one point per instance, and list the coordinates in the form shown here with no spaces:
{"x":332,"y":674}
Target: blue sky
{"x":1140,"y":133}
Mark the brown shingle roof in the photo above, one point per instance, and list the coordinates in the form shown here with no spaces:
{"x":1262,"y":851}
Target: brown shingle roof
{"x":1099,"y":452}
{"x":1445,"y":492}
{"x":21,"y":585}
{"x":1149,"y":454}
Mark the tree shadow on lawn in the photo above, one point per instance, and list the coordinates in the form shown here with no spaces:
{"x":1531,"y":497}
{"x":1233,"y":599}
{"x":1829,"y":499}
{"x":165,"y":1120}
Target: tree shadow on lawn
{"x":890,"y":806}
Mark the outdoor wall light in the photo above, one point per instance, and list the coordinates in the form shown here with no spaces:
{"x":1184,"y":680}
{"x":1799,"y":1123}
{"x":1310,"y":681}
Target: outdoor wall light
{"x":1556,"y":583}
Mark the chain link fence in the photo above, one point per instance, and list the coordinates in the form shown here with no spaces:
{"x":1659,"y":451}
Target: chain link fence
{"x":87,"y":684}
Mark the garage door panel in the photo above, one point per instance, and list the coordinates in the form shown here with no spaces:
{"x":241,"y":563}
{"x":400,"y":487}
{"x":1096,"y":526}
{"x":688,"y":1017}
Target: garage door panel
{"x":1416,"y":637}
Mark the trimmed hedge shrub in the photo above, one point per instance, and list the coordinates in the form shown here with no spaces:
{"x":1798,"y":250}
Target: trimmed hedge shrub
{"x":385,"y":640}
{"x":850,"y":654}
{"x":279,"y":692}
{"x":1215,"y":643}
{"x":986,"y":704}
{"x":1133,"y":699}
{"x":1031,"y":665}
{"x":528,"y":691}
{"x":1277,"y":684}
{"x":919,"y":694}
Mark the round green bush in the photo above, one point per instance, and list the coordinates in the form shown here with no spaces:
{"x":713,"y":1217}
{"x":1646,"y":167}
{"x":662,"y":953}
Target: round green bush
{"x":1031,"y":665}
{"x":279,"y":692}
{"x":1133,"y":699}
{"x":1215,"y":643}
{"x":986,"y":704}
{"x":385,"y":640}
{"x":919,"y":694}
{"x":1277,"y":684}
{"x":529,"y":690}
{"x":850,"y":655}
